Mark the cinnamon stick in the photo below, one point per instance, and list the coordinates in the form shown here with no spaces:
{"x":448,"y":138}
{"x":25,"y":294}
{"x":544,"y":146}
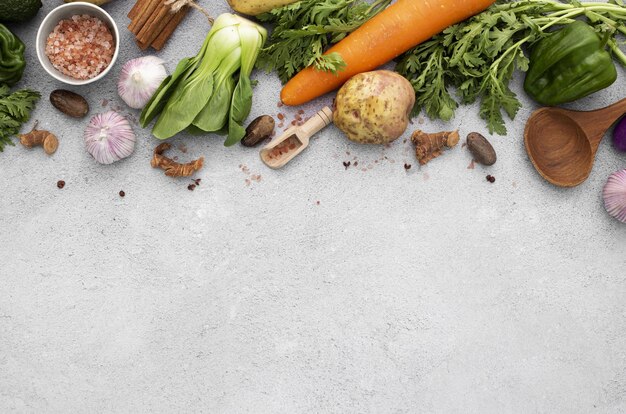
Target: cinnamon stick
{"x":142,"y":46}
{"x":161,"y":20}
{"x":169,"y":29}
{"x":144,"y":15}
{"x":149,"y":25}
{"x":140,"y":4}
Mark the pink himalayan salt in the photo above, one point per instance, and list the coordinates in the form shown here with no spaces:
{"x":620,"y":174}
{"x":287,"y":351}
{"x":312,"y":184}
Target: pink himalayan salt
{"x":80,"y":47}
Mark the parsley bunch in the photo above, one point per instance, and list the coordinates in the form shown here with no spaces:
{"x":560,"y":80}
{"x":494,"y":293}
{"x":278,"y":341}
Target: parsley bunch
{"x":15,"y":110}
{"x":477,"y":57}
{"x":304,"y":30}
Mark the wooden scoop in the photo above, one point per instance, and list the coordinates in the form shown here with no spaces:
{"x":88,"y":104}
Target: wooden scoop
{"x":294,"y":140}
{"x":562,"y":144}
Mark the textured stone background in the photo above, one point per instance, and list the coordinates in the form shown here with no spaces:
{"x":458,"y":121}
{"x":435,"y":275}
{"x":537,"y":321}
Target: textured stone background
{"x":430,"y":291}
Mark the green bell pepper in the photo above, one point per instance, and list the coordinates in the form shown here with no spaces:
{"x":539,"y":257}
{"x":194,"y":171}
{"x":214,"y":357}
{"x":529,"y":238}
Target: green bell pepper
{"x":569,"y":64}
{"x":12,"y":61}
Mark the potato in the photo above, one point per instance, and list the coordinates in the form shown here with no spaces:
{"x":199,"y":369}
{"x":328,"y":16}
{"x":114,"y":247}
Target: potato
{"x":374,"y":107}
{"x":256,"y":7}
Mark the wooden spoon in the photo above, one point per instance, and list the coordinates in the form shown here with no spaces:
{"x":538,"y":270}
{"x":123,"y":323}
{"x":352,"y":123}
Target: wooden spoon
{"x":562,"y":144}
{"x":294,"y":140}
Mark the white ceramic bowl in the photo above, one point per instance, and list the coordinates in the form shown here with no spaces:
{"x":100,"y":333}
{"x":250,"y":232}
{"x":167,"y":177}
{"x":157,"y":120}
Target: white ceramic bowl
{"x":65,"y":12}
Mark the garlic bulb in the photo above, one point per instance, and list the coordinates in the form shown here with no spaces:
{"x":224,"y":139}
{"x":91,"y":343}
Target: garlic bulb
{"x":139,"y":79}
{"x":614,"y":195}
{"x":109,"y":137}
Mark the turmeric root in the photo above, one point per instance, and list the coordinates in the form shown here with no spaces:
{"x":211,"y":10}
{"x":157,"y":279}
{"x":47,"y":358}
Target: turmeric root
{"x":38,"y":137}
{"x":171,"y":167}
{"x":429,"y":146}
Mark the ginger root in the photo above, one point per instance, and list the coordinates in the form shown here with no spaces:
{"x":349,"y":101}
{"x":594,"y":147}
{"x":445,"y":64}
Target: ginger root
{"x":171,"y":167}
{"x":429,"y":146}
{"x":38,"y":137}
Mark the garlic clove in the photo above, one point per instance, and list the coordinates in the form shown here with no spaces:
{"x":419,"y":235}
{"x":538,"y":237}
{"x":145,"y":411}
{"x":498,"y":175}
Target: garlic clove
{"x":614,"y":195}
{"x":109,"y":137}
{"x":139,"y":79}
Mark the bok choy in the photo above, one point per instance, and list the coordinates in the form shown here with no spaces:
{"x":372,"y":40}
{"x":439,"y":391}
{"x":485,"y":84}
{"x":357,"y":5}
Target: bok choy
{"x":212,"y":91}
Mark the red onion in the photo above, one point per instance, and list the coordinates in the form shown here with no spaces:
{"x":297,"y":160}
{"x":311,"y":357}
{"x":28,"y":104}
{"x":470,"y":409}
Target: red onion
{"x":619,"y":135}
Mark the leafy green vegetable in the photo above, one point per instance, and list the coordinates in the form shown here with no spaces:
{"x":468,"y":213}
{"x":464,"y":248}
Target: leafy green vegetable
{"x":212,"y":91}
{"x":160,"y":97}
{"x":251,"y":44}
{"x":15,"y":109}
{"x":214,"y":115}
{"x":305,"y":29}
{"x":477,"y":57}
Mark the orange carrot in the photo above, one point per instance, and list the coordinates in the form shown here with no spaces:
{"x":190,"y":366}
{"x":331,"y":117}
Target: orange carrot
{"x":400,"y":27}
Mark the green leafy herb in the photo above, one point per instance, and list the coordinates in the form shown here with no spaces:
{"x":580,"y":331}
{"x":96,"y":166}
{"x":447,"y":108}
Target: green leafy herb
{"x":304,"y":30}
{"x":15,"y":109}
{"x":477,"y":57}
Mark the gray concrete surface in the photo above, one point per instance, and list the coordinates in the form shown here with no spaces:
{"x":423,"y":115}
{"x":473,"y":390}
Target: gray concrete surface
{"x":310,"y":289}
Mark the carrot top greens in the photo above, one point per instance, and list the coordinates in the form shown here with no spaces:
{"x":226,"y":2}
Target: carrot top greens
{"x":303,"y":31}
{"x":478,"y":56}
